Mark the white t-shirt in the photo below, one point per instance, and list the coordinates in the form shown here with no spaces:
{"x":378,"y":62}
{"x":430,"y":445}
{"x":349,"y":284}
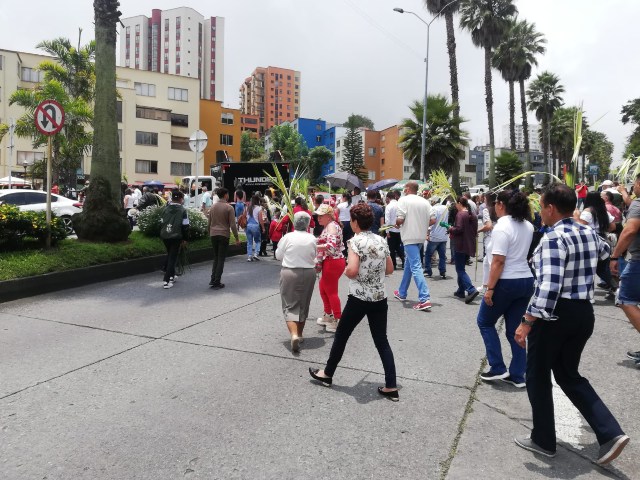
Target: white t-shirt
{"x":297,"y":250}
{"x":390,"y":214}
{"x":592,"y":220}
{"x":437,"y":233}
{"x":343,"y":211}
{"x":416,"y":212}
{"x":512,"y":240}
{"x":474,"y":207}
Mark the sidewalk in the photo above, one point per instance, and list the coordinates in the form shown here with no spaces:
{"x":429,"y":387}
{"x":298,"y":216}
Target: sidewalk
{"x":125,"y":380}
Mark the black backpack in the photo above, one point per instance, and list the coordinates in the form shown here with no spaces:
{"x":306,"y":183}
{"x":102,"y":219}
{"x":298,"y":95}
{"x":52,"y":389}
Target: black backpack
{"x":171,"y":228}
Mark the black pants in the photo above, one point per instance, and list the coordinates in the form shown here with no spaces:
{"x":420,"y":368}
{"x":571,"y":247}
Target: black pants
{"x":173,"y":247}
{"x":395,"y":247}
{"x":376,"y":313}
{"x":275,"y":247}
{"x":347,"y":234}
{"x":220,"y":245}
{"x":557,"y":346}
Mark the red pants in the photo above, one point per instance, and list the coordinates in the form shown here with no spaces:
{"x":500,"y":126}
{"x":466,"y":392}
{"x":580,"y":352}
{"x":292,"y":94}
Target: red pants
{"x":332,"y":269}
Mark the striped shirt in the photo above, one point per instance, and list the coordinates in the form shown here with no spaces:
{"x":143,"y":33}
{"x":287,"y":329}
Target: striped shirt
{"x":565,"y":263}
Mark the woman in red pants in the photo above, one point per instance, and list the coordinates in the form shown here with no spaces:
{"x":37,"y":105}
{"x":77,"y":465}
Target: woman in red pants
{"x":331,"y":263}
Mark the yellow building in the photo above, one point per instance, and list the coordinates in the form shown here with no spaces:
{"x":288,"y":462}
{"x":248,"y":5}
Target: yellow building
{"x":223,"y":128}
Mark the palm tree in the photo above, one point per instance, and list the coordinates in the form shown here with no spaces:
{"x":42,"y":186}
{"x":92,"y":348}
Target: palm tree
{"x":487,"y":21}
{"x":435,"y":7}
{"x":544,"y":99}
{"x":445,"y":139}
{"x":504,"y":60}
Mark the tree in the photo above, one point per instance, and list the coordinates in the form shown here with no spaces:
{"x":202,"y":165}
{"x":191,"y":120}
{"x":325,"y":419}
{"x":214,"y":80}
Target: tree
{"x":353,"y":151}
{"x":436,"y":6}
{"x":102,"y":217}
{"x":250,"y":147}
{"x":286,"y":144}
{"x":631,"y":114}
{"x":545,"y":98}
{"x":504,"y":60}
{"x":601,"y":152}
{"x":359,"y":121}
{"x":313,"y":163}
{"x":508,"y":165}
{"x":445,"y":140}
{"x":487,"y":21}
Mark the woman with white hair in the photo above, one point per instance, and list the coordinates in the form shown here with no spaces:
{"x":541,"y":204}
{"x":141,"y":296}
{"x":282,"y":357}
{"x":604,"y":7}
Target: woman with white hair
{"x":297,"y":250}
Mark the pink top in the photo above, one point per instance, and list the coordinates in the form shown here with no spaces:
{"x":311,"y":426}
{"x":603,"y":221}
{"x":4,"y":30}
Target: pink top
{"x":331,"y":236}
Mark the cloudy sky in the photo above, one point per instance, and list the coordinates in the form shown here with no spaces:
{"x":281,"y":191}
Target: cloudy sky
{"x":360,"y":56}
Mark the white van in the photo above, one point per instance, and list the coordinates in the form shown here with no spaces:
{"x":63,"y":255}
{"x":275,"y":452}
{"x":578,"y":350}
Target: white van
{"x":189,"y":184}
{"x":478,"y":189}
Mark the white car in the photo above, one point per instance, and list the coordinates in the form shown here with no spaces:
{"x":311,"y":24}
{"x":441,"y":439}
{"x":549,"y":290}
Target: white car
{"x":36,"y":200}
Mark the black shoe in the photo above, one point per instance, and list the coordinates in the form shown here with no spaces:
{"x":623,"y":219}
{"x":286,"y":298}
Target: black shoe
{"x":633,"y":355}
{"x":471,"y":297}
{"x":516,"y":384}
{"x":217,"y":286}
{"x":326,"y":381}
{"x":603,"y":285}
{"x":469,"y":262}
{"x":490,"y":376}
{"x":428,"y":275}
{"x":443,"y":276}
{"x":392,"y":395}
{"x":459,"y":295}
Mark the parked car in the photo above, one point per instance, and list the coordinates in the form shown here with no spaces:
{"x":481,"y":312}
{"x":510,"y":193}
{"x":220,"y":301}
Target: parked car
{"x":478,"y":189}
{"x":36,"y":200}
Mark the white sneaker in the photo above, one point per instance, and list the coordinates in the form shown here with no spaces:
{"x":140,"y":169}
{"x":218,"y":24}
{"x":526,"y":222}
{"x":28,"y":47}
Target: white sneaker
{"x":331,"y":327}
{"x":295,"y":344}
{"x":325,"y":319}
{"x":167,"y":285}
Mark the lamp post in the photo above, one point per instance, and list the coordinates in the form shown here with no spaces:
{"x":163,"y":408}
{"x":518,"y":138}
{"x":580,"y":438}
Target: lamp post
{"x":426,"y":85}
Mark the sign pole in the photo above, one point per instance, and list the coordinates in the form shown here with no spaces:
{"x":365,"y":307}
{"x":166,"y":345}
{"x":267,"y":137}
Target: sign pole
{"x":196,"y":190}
{"x":49,"y":149}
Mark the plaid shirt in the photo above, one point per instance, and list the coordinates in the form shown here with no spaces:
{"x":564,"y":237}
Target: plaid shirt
{"x":565,"y":263}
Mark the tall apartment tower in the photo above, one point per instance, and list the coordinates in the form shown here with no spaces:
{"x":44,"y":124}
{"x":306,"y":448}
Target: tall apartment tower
{"x":273,"y":94}
{"x":534,"y":137}
{"x":179,"y":41}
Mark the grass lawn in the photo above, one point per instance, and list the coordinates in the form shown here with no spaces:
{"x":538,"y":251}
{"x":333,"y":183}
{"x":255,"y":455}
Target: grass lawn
{"x":70,"y":254}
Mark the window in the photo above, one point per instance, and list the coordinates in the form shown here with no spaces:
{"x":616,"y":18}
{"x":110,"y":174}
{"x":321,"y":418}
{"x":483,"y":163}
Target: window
{"x":382,"y":174}
{"x":120,"y":139}
{"x":372,"y":153}
{"x":226,"y":139}
{"x":382,"y":161}
{"x":180,"y":143}
{"x":338,"y":154}
{"x":31,"y":75}
{"x":179,"y":169}
{"x":145,"y":89}
{"x":179,"y":94}
{"x":372,"y":175}
{"x":382,"y":150}
{"x":382,"y":138}
{"x":318,"y":138}
{"x":337,"y":142}
{"x":146,"y":166}
{"x":227,"y":118}
{"x":179,"y":120}
{"x":29,"y":158}
{"x":147,"y":138}
{"x":407,"y":169}
{"x":1,"y":61}
{"x":152,"y":113}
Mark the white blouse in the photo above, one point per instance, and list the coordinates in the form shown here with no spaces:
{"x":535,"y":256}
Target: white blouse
{"x":297,"y":250}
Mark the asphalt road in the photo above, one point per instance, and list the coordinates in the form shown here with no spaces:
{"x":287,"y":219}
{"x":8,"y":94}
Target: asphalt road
{"x":125,"y":380}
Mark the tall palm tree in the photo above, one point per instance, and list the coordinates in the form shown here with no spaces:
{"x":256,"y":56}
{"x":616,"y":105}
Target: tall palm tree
{"x":435,"y":7}
{"x":487,"y":21}
{"x":504,"y":60}
{"x":544,"y":99}
{"x":445,"y":139}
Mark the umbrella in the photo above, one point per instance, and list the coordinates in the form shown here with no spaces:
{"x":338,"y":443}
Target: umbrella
{"x":345,"y":180}
{"x":153,"y":183}
{"x":400,"y":185}
{"x":382,"y":184}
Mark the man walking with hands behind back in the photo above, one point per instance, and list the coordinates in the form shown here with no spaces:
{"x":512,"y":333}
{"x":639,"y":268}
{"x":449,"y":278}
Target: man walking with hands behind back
{"x":414,"y":214}
{"x":222,"y":219}
{"x":559,"y":322}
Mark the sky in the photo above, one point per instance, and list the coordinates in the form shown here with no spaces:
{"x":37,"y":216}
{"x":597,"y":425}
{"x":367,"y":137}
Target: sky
{"x":359,"y":56}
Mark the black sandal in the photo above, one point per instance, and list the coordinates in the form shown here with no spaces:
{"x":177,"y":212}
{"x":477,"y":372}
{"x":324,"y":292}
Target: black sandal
{"x":326,"y":381}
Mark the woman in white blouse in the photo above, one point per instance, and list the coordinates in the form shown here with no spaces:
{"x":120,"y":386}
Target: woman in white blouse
{"x":369,"y":262}
{"x":297,"y":250}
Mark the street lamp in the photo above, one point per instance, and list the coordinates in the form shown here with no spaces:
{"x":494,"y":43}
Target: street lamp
{"x":426,"y":84}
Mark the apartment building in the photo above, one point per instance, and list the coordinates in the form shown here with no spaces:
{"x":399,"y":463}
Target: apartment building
{"x":273,"y":95}
{"x":534,"y":137}
{"x":178,"y":41}
{"x":223,"y":128}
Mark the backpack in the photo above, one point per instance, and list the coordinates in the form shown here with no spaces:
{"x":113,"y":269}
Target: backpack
{"x":171,"y":228}
{"x":242,"y":219}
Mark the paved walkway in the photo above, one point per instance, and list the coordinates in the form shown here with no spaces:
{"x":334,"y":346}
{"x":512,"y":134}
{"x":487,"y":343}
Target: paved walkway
{"x":125,"y":380}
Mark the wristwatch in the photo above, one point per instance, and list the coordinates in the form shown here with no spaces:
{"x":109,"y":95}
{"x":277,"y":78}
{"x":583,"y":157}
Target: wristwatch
{"x":526,"y":322}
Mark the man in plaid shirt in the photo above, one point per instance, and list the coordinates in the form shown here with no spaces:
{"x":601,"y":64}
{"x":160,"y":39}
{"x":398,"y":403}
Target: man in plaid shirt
{"x":558,"y":324}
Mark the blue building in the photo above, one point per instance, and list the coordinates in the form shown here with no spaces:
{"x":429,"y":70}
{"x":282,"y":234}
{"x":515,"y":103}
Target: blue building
{"x":319,"y":133}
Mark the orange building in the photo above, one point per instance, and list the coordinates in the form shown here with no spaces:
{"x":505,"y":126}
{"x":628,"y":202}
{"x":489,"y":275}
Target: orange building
{"x":371,"y":146}
{"x":223,"y":128}
{"x":273,"y":94}
{"x":250,"y":123}
{"x":392,"y":164}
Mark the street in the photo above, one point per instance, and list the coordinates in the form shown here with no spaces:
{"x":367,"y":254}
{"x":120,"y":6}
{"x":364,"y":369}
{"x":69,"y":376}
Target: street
{"x":126,"y":380}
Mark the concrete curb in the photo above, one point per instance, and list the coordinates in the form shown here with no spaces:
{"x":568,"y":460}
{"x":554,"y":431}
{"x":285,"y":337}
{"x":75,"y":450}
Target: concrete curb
{"x":54,"y":282}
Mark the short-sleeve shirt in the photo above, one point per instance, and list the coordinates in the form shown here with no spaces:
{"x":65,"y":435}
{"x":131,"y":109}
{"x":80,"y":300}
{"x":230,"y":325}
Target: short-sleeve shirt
{"x":634,"y":248}
{"x":373,"y":252}
{"x":512,"y":240}
{"x":377,"y":215}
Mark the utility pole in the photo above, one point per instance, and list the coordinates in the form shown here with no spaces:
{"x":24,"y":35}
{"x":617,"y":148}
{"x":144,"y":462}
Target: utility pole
{"x":12,"y":128}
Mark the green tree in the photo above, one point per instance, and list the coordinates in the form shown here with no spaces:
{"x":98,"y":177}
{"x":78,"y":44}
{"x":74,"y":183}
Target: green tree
{"x":436,"y":6}
{"x":601,"y":152}
{"x":444,"y":138}
{"x":487,"y":21}
{"x":544,"y":99}
{"x":631,"y":114}
{"x":287,"y":144}
{"x":250,"y":147}
{"x":353,"y":151}
{"x":315,"y":160}
{"x":508,"y":165}
{"x":359,"y":121}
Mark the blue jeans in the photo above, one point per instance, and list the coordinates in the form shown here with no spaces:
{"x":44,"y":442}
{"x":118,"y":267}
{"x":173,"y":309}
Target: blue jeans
{"x":629,"y":283}
{"x":253,"y":236}
{"x":441,"y":248}
{"x":464,"y":282}
{"x":510,"y":298}
{"x":413,"y":268}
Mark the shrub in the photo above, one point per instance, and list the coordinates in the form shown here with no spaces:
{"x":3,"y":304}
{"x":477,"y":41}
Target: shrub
{"x":149,"y":222}
{"x":15,"y":225}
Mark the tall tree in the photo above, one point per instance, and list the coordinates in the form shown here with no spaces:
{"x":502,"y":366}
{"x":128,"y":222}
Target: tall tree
{"x":631,"y":114}
{"x":445,"y":139}
{"x":487,"y":21}
{"x":250,"y":147}
{"x":436,"y":6}
{"x":601,"y":153}
{"x":545,"y":98}
{"x":353,"y":159}
{"x":286,"y":144}
{"x":504,"y":60}
{"x":359,"y":121}
{"x":313,"y":163}
{"x":508,"y":165}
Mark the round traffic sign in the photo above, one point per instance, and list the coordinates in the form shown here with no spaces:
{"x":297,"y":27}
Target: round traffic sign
{"x":49,"y":117}
{"x":198,"y":141}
